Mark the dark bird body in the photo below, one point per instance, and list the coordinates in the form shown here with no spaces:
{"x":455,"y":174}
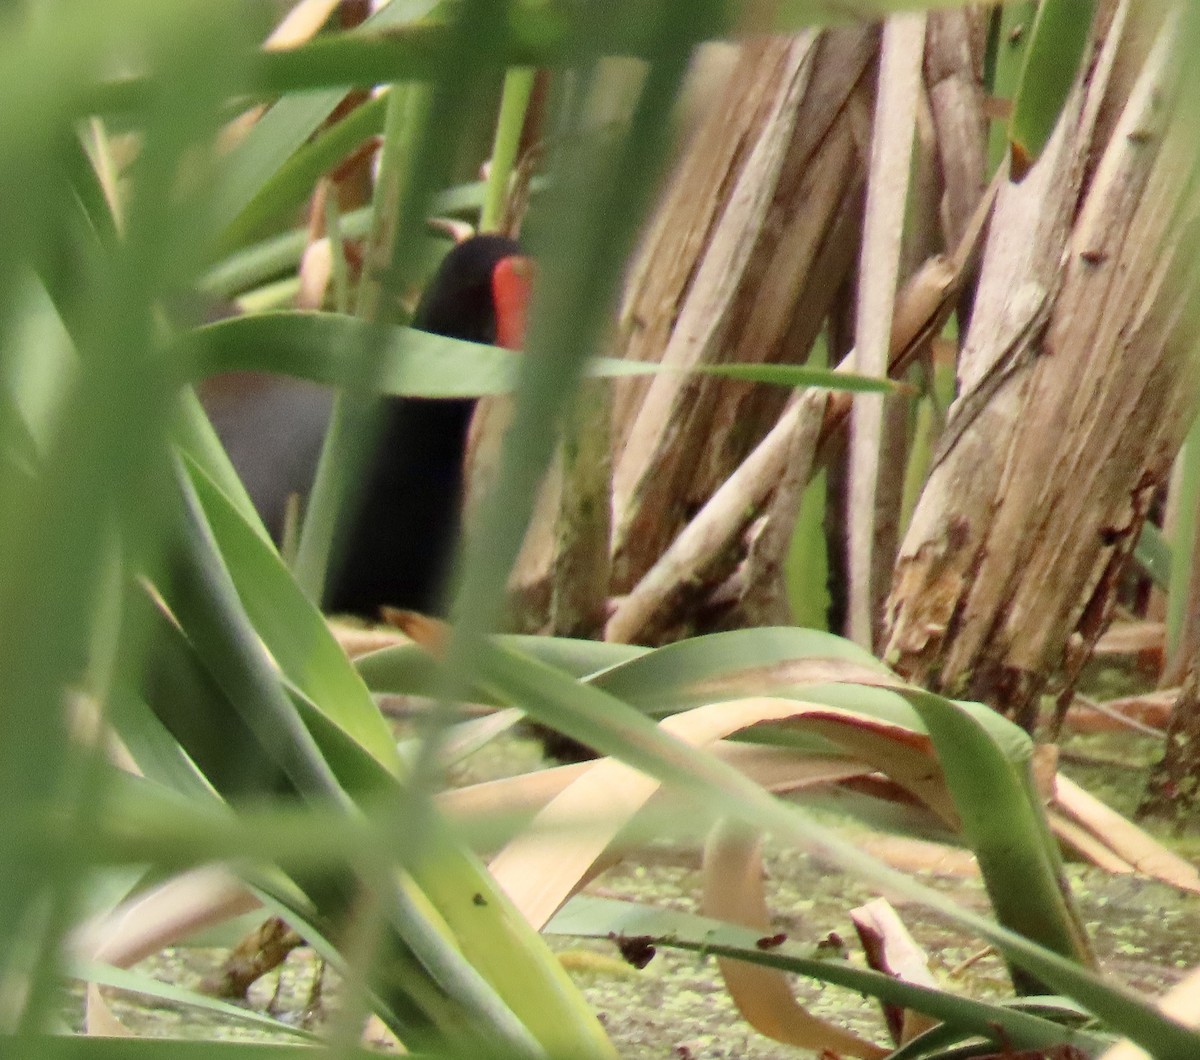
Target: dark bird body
{"x":397,"y":539}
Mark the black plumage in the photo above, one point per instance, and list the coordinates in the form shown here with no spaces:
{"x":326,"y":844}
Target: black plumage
{"x":397,"y":538}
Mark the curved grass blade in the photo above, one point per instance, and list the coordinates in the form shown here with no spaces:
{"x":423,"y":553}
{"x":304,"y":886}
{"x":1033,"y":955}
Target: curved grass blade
{"x":276,"y":137}
{"x":292,"y":628}
{"x":290,"y":186}
{"x":1003,"y":823}
{"x":936,"y":1043}
{"x":198,"y":442}
{"x":73,"y":1047}
{"x":554,"y":35}
{"x":491,"y":936}
{"x":799,"y":375}
{"x":148,"y":986}
{"x":677,"y":675}
{"x":602,"y":721}
{"x":320,"y":347}
{"x":406,"y":669}
{"x":601,"y":918}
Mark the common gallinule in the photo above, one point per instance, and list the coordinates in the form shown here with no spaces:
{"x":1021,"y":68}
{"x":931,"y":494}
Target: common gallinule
{"x":397,"y":541}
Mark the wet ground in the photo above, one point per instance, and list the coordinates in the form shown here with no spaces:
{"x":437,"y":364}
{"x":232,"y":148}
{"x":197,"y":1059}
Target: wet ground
{"x":1146,"y":935}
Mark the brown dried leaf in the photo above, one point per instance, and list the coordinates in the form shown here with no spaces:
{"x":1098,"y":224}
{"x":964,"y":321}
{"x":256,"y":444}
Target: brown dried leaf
{"x":357,"y":640}
{"x":921,"y":855}
{"x":733,"y":891}
{"x":1124,"y":838}
{"x":540,"y":871}
{"x":892,"y":950}
{"x":1132,"y":638}
{"x":1151,"y":711}
{"x":777,"y":769}
{"x":430,"y":633}
{"x":144,"y":925}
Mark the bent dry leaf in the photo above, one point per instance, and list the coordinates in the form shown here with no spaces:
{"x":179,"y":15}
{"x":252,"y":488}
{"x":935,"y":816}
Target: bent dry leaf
{"x":1140,"y":851}
{"x":889,"y":948}
{"x":494,"y":811}
{"x":892,"y":741}
{"x":145,"y":924}
{"x":733,"y":891}
{"x":602,"y":721}
{"x":536,"y":870}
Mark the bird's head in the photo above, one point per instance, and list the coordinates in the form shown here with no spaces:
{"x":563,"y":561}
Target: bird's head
{"x":480,"y":293}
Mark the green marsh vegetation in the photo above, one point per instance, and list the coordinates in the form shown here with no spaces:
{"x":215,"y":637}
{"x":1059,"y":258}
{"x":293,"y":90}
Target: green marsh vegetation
{"x":186,"y":740}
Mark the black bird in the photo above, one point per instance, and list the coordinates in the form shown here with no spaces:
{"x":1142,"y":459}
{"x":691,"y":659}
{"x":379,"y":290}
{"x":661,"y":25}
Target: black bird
{"x":396,"y":543}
